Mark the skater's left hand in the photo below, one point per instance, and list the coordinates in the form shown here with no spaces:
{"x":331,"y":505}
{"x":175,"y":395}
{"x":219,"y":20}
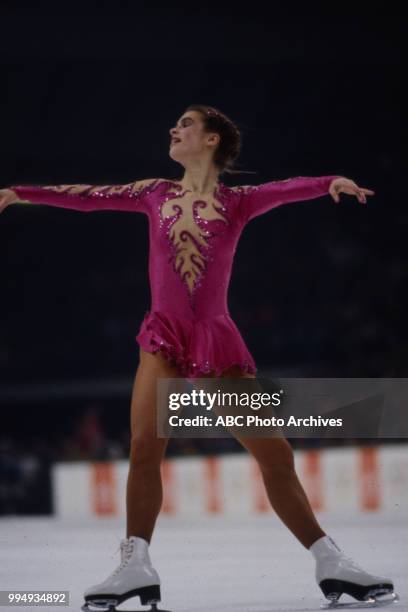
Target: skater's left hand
{"x":348,"y":186}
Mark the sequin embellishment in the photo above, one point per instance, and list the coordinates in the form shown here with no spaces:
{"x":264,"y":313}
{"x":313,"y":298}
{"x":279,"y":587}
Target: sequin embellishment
{"x":130,"y":190}
{"x":191,"y":225}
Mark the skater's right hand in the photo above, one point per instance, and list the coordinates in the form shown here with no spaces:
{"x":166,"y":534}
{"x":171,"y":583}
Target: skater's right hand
{"x":7,"y":196}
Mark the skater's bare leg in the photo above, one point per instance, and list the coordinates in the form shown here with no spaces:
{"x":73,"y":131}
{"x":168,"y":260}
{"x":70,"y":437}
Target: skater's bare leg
{"x":144,"y":493}
{"x":284,"y":490}
{"x":275,"y":458}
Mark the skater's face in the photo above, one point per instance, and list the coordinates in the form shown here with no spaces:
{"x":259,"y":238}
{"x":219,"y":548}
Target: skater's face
{"x":189,"y":141}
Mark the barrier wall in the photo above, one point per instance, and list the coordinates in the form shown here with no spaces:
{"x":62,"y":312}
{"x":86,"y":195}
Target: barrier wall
{"x":359,"y":479}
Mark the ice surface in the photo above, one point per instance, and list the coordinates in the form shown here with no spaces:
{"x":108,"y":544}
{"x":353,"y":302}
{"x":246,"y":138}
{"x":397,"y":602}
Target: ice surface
{"x":206,"y":565}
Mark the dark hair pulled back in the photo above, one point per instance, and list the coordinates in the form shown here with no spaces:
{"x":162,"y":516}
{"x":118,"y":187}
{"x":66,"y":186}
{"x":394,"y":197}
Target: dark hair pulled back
{"x":230,"y":138}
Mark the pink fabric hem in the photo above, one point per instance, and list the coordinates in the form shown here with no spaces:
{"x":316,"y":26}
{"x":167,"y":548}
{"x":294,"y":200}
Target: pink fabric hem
{"x":196,"y":348}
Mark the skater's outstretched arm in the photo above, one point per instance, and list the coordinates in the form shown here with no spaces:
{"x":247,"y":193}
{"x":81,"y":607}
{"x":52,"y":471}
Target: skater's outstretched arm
{"x":258,"y":199}
{"x":130,"y":197}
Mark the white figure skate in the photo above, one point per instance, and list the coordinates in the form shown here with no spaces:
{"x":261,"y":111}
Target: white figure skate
{"x":134,"y":576}
{"x":337,"y":574}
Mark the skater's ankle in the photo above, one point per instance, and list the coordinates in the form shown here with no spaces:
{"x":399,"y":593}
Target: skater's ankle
{"x":325,"y":547}
{"x":320,"y":537}
{"x":139,"y":537}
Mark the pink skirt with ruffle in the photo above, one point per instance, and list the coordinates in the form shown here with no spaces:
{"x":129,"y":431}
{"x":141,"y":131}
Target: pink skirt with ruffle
{"x":198,"y":347}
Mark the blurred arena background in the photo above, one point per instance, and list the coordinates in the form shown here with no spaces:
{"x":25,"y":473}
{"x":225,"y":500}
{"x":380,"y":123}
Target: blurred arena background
{"x":318,"y":289}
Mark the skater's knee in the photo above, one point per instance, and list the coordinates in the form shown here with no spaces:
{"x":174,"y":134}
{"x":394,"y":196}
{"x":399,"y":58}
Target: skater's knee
{"x":281,"y":461}
{"x":146,"y":451}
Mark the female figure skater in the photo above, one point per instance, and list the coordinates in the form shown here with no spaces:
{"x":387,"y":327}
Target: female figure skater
{"x":194,"y":227}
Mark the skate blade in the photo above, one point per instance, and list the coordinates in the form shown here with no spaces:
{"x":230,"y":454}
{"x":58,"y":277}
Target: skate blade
{"x":111,"y":607}
{"x":380,"y":601}
{"x":103,"y":606}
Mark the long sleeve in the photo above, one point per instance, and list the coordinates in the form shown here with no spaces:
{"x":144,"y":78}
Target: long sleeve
{"x":258,"y":199}
{"x":130,"y":197}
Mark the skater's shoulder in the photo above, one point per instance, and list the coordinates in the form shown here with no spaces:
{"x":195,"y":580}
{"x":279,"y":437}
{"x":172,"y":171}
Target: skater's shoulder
{"x":147,"y":185}
{"x":148,"y":182}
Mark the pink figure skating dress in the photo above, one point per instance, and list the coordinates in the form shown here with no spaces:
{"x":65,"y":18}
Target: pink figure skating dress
{"x":192,"y":245}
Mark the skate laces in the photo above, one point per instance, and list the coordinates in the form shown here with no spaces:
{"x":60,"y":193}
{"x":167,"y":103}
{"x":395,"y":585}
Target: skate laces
{"x":352,"y":562}
{"x":346,"y":558}
{"x":126,"y":549}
